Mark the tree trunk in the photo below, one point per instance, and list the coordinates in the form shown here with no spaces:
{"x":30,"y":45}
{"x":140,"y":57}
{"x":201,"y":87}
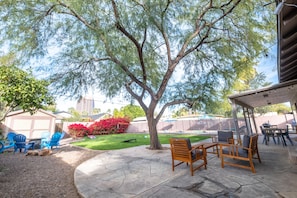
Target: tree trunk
{"x":154,"y":139}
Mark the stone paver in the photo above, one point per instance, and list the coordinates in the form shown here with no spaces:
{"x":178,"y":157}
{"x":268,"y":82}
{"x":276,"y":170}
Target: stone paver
{"x":139,"y":172}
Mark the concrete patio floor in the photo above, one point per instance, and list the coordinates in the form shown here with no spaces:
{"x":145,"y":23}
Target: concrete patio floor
{"x":139,"y":172}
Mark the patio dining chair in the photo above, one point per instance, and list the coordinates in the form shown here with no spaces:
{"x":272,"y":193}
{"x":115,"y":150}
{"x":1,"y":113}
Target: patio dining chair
{"x":182,"y":151}
{"x":267,"y":133}
{"x":286,"y":134}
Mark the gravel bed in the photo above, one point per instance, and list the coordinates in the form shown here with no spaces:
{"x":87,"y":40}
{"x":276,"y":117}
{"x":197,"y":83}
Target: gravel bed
{"x":42,"y":176}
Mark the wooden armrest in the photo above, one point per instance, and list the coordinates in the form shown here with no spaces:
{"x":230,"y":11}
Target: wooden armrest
{"x":225,"y":144}
{"x":197,"y":147}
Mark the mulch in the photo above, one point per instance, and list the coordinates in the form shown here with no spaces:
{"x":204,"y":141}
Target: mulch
{"x":41,"y":176}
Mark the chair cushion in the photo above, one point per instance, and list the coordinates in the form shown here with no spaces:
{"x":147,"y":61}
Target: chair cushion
{"x":246,"y":141}
{"x":195,"y":152}
{"x":225,"y":151}
{"x":224,"y":136}
{"x":241,"y":152}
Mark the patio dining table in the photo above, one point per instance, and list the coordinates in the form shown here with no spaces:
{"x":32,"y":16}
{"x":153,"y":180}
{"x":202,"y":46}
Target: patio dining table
{"x":275,"y":132}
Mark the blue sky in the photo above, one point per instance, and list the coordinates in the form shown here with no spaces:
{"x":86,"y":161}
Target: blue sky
{"x":268,"y":65}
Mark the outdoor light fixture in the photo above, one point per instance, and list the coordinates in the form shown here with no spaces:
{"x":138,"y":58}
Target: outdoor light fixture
{"x":280,"y":6}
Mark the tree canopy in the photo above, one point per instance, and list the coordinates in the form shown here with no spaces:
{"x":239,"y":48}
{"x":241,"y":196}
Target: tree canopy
{"x":247,"y":79}
{"x":129,"y":111}
{"x":159,"y":53}
{"x":20,"y":90}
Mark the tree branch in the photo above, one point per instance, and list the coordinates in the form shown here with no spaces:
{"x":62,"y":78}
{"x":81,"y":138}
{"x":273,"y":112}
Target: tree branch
{"x":184,"y":53}
{"x":76,"y":15}
{"x":174,"y":102}
{"x":131,"y":38}
{"x":138,"y":98}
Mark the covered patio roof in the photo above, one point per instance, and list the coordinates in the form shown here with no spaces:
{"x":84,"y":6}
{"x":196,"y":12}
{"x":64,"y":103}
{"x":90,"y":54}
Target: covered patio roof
{"x":286,"y":90}
{"x":274,"y":94}
{"x":287,"y":39}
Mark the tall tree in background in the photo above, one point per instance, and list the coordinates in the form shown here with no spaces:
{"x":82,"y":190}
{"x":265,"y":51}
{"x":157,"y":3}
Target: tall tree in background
{"x":129,"y":111}
{"x":160,"y":53}
{"x":247,"y":78}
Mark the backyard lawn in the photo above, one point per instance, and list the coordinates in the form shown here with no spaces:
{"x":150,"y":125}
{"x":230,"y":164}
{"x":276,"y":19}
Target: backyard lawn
{"x":117,"y":141}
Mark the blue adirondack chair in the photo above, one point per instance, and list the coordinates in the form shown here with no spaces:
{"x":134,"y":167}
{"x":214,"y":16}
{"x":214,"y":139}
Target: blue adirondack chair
{"x":54,"y":141}
{"x":45,"y":138}
{"x":8,"y":143}
{"x":20,"y":143}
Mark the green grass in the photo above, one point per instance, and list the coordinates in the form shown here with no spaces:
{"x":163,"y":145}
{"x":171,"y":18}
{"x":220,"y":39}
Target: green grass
{"x":113,"y":142}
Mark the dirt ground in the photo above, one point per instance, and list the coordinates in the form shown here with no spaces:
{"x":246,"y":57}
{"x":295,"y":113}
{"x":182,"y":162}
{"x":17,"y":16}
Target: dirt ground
{"x":41,"y":176}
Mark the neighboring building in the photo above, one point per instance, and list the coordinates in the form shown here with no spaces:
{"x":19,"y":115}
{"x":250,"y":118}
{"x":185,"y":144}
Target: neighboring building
{"x":30,"y":125}
{"x":140,"y":119}
{"x":85,"y":105}
{"x":62,"y":115}
{"x":100,"y":116}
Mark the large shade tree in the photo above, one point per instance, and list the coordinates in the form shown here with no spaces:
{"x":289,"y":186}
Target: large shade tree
{"x":160,"y":53}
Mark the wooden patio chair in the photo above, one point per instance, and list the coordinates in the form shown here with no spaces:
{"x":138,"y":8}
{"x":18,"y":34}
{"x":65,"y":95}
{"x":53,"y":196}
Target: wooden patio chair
{"x":246,"y":152}
{"x":181,"y":150}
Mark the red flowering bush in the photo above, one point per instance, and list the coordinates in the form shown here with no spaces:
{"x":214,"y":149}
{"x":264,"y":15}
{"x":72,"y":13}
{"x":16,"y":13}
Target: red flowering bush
{"x":109,"y":126}
{"x":78,"y":130}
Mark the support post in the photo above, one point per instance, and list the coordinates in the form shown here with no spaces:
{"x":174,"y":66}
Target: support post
{"x":235,"y":119}
{"x":254,"y":121}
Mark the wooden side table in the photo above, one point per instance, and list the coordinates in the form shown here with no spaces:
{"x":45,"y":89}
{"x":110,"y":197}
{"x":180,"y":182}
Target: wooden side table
{"x":209,"y":145}
{"x":214,"y":147}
